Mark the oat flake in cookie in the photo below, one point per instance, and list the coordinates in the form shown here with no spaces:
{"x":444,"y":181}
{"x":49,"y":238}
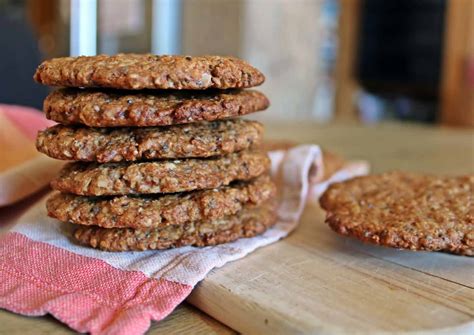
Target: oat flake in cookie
{"x":404,"y":210}
{"x":160,"y":176}
{"x":205,"y":139}
{"x":158,"y":211}
{"x":113,"y":108}
{"x":146,"y":71}
{"x":249,"y":222}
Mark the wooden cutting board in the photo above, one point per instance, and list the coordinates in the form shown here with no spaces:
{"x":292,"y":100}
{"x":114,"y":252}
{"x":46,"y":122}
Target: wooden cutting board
{"x":316,"y":281}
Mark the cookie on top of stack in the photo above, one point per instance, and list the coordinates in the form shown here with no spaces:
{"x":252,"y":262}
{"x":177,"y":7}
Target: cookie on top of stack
{"x":162,"y":160}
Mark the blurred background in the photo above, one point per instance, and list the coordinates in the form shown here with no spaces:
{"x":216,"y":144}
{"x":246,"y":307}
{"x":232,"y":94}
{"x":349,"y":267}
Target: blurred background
{"x":362,"y":61}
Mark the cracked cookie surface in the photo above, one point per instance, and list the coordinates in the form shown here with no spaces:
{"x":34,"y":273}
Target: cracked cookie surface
{"x":147,"y":71}
{"x":166,"y":176}
{"x":205,"y":139}
{"x":113,"y":108}
{"x":405,"y":210}
{"x":249,"y":222}
{"x":147,"y":212}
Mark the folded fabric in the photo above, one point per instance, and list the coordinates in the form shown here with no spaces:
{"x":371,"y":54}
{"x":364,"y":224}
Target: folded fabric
{"x":42,"y":271}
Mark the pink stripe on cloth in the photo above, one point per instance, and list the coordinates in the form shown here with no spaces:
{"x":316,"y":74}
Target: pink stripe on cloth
{"x":87,"y":294}
{"x":27,"y":120}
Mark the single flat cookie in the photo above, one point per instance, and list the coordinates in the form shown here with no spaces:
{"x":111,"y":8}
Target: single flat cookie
{"x":159,"y":176}
{"x":249,"y":222}
{"x":122,"y":109}
{"x":145,"y":212}
{"x":404,"y":210}
{"x":146,"y":71}
{"x":205,"y":139}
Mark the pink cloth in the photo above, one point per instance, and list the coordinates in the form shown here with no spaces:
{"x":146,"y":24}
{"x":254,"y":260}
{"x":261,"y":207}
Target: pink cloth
{"x":85,"y":293}
{"x":20,"y":125}
{"x":42,"y":271}
{"x":27,"y":120}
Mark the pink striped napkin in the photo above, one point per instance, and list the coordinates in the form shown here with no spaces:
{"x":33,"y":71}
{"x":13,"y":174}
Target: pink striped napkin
{"x":42,"y":271}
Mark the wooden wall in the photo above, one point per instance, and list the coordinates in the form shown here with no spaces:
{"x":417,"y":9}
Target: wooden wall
{"x":212,"y":27}
{"x":457,"y":89}
{"x":346,"y":83}
{"x":280,"y":37}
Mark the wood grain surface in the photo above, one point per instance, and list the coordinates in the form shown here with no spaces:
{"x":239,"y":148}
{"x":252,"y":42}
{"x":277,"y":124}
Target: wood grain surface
{"x":316,"y":281}
{"x":184,"y":320}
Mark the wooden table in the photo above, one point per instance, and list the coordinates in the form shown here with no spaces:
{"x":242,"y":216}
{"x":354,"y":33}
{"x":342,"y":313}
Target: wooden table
{"x":388,"y":146}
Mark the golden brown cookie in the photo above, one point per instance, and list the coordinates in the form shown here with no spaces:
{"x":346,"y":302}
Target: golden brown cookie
{"x":166,"y":176}
{"x":405,"y":210}
{"x":146,"y":71}
{"x":249,"y":222}
{"x":205,"y":139}
{"x":145,"y":212}
{"x":151,"y":108}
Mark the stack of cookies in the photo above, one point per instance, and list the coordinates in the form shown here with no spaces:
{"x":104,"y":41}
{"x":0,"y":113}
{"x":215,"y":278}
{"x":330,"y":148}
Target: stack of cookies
{"x":161,"y":160}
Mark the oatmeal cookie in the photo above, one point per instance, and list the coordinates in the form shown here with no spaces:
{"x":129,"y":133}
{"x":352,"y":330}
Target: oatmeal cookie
{"x":146,"y":212}
{"x":405,"y":210}
{"x":146,"y":71}
{"x":205,"y":139}
{"x":166,"y":176}
{"x":249,"y":222}
{"x":145,"y":109}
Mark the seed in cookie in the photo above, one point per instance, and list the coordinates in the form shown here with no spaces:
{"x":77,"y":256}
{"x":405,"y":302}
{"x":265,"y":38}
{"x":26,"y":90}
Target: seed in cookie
{"x":146,"y":212}
{"x":154,"y":108}
{"x":166,"y":176}
{"x":249,"y":222}
{"x":205,"y":139}
{"x":146,"y":71}
{"x":405,"y":210}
